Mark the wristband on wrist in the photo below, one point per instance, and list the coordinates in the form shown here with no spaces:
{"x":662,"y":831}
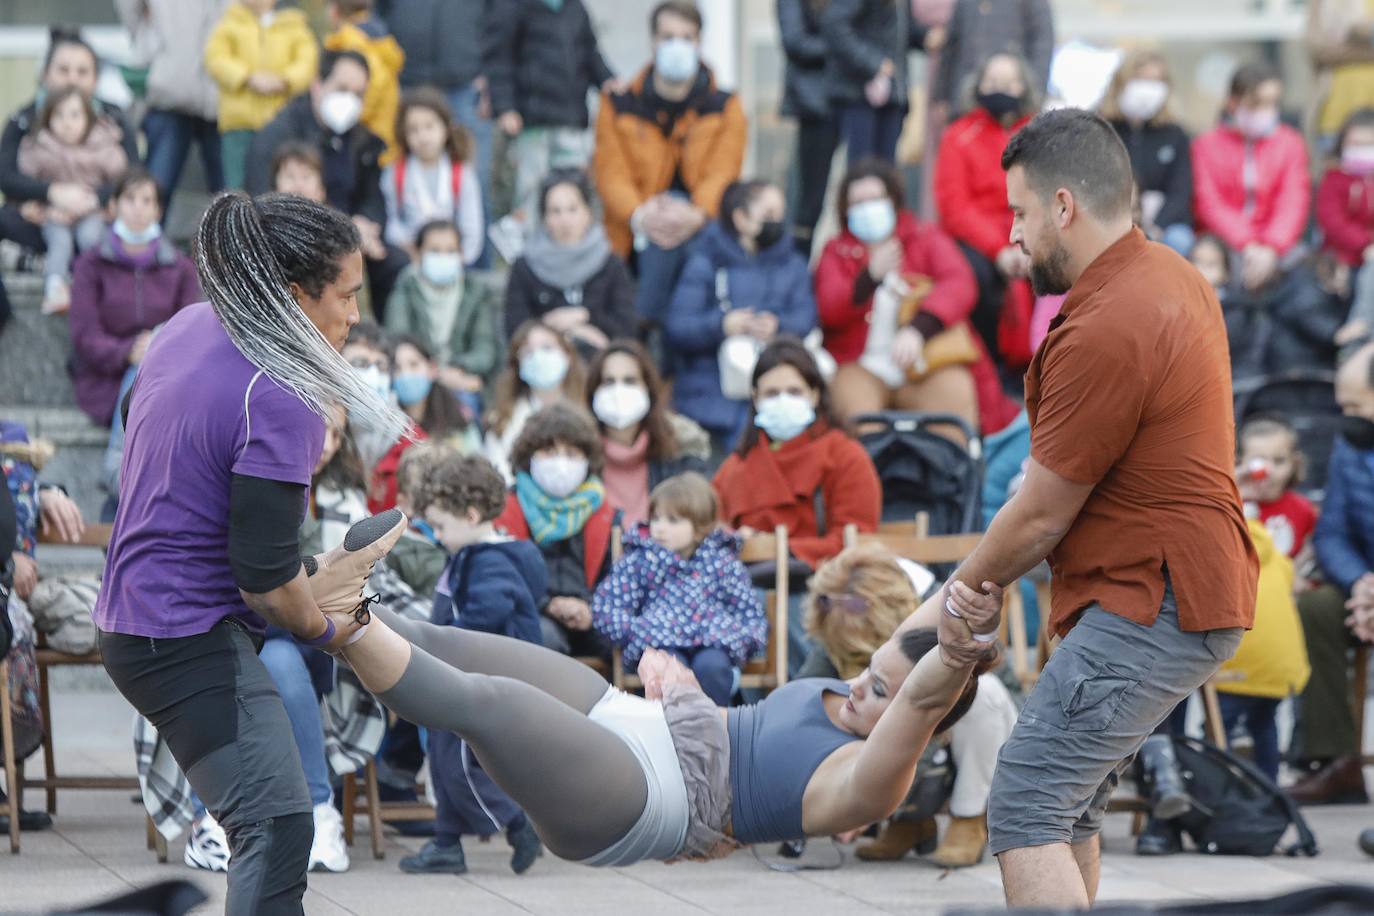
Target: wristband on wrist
{"x":985,"y":637}
{"x":321,"y":640}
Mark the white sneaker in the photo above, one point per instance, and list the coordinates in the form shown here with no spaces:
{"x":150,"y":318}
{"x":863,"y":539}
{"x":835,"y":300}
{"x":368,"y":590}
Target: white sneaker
{"x":207,"y":847}
{"x":328,"y":852}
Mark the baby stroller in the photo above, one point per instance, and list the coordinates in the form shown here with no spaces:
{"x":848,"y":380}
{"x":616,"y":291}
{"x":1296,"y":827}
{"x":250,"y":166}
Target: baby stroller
{"x":922,"y":471}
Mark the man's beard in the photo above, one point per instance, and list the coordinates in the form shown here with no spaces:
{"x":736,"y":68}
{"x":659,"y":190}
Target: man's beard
{"x":1049,"y":276}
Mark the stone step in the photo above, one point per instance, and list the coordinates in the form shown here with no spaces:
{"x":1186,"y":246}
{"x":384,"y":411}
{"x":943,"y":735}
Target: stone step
{"x":34,"y":349}
{"x":77,"y":464}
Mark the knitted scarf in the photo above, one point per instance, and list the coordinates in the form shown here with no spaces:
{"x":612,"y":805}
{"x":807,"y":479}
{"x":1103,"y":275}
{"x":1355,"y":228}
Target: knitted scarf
{"x":567,"y":266}
{"x":551,"y":520}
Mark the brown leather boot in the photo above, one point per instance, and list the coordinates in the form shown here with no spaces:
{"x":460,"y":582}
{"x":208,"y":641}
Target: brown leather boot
{"x":964,"y":843}
{"x":897,"y":838}
{"x":1340,"y":782}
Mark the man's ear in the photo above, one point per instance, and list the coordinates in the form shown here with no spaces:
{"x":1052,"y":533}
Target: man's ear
{"x":1065,"y":208}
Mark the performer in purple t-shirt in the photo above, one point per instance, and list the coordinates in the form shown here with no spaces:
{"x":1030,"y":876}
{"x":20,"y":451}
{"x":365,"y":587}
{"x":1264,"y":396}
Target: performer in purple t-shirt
{"x":223,"y":428}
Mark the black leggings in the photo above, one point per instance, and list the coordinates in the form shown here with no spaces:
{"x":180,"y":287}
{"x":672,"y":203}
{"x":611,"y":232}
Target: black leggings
{"x":213,"y":702}
{"x":523,"y":711}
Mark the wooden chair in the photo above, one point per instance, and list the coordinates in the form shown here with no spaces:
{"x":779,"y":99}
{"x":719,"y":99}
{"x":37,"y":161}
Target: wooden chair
{"x":366,"y":800}
{"x":95,"y":535}
{"x":768,"y":671}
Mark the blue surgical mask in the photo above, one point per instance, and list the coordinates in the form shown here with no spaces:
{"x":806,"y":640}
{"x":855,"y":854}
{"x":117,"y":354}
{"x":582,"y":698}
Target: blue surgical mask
{"x":441,"y":268}
{"x":150,"y":233}
{"x":784,"y":416}
{"x":424,"y":529}
{"x":544,"y":368}
{"x":411,"y":388}
{"x":873,"y":220}
{"x":676,"y":60}
{"x":377,"y":380}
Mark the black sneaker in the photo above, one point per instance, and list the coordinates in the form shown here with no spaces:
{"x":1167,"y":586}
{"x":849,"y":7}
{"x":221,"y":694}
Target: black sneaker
{"x":524,"y":844}
{"x":434,"y":859}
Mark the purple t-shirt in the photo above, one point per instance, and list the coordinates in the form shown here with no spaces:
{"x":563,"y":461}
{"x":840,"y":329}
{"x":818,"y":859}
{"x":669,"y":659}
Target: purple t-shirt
{"x":200,"y":413}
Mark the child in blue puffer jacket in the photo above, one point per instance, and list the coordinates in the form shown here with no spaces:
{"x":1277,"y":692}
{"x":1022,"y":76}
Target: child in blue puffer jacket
{"x":681,"y":588}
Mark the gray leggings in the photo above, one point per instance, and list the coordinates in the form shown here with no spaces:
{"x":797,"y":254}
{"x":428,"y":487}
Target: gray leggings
{"x":523,"y":710}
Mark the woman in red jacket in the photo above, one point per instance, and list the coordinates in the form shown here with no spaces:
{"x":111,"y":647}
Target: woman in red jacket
{"x":885,"y":256}
{"x":1345,"y":212}
{"x":971,"y":196}
{"x":795,"y":466}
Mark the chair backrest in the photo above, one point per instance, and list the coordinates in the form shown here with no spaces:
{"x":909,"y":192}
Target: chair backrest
{"x":97,"y":534}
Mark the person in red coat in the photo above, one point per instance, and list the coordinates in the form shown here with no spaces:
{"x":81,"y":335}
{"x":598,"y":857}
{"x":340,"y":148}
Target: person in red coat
{"x":795,"y":466}
{"x":1345,"y":212}
{"x":971,"y":197}
{"x":883,"y":255}
{"x":1250,"y":181}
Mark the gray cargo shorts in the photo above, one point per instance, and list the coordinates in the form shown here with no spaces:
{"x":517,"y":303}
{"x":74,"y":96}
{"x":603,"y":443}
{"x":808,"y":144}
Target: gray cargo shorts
{"x":1104,"y":691}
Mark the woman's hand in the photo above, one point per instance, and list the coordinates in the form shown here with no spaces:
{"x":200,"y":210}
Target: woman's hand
{"x":573,"y":613}
{"x":25,"y":575}
{"x":566,"y":319}
{"x":737,"y":322}
{"x":968,"y":613}
{"x":140,"y":347}
{"x":60,"y":515}
{"x":884,"y":258}
{"x":659,"y":670}
{"x":591,"y":335}
{"x":908,"y":349}
{"x":459,"y":379}
{"x":763,"y":326}
{"x":265,"y":83}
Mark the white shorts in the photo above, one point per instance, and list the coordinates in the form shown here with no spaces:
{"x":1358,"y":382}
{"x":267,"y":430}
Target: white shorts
{"x":661,"y":830}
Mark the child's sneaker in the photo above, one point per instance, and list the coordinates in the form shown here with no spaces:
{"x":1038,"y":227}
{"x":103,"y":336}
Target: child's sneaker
{"x":207,"y":847}
{"x":57,"y":296}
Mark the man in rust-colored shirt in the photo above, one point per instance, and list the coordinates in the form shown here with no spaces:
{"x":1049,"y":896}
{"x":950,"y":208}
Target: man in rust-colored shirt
{"x":1129,"y":492}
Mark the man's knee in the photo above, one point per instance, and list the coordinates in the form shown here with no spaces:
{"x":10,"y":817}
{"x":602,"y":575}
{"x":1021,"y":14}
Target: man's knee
{"x":268,"y":863}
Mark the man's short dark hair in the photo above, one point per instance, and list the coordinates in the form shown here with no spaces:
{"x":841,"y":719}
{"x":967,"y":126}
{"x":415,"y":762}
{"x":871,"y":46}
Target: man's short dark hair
{"x":296,"y":151}
{"x":1251,"y":76}
{"x":330,"y":59}
{"x":1074,"y":149}
{"x":683,"y":9}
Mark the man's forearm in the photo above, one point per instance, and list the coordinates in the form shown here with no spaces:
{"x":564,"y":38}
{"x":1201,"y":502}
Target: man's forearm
{"x":1014,"y":544}
{"x":291,"y":606}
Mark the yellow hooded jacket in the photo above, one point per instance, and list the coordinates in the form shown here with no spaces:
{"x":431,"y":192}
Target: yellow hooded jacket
{"x":241,"y":45}
{"x":1272,"y":658}
{"x":384,"y":62}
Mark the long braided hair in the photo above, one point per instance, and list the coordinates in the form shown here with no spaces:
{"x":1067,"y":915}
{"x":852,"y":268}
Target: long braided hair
{"x":248,"y":252}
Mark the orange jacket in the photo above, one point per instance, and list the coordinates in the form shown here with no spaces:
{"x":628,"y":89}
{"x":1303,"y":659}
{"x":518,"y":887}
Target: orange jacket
{"x":635,"y":160}
{"x":770,"y":487}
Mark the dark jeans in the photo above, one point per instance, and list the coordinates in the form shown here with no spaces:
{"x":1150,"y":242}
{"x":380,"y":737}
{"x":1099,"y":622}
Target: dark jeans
{"x":1326,"y":725}
{"x":212,"y":700}
{"x":382,"y":276}
{"x":170,"y":136}
{"x":1258,"y":715}
{"x":714,"y":672}
{"x":19,"y":230}
{"x":992,"y":291}
{"x":869,"y":131}
{"x":817,"y":139}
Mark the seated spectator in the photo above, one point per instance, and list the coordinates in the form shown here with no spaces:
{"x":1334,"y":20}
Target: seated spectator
{"x":1270,"y":465}
{"x":744,"y":284}
{"x":666,"y":148}
{"x":417,"y":557}
{"x":540,"y":60}
{"x":797,"y":467}
{"x":357,"y":28}
{"x":971,"y":197}
{"x":867,"y":44}
{"x":491,"y":584}
{"x":1250,"y":178}
{"x":130,"y":283}
{"x":560,"y":504}
{"x":452,"y":313}
{"x":1137,"y":105}
{"x":70,"y":144}
{"x":297,"y":169}
{"x":1333,"y":615}
{"x":887,"y":271}
{"x":568,"y":277}
{"x":1209,"y":256}
{"x":681,"y":587}
{"x":432,"y":179}
{"x":260,"y":56}
{"x":644,"y":443}
{"x":1345,"y":213}
{"x":30,"y":202}
{"x":326,"y":118}
{"x":854,"y":604}
{"x":542,"y":368}
{"x":366,"y":351}
{"x":181,"y":96}
{"x":1338,"y":39}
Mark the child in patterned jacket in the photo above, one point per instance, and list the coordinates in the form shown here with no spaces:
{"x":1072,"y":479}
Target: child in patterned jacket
{"x":681,"y":587}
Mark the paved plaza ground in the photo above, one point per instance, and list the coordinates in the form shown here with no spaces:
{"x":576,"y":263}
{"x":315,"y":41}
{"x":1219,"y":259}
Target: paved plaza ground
{"x":97,"y":849}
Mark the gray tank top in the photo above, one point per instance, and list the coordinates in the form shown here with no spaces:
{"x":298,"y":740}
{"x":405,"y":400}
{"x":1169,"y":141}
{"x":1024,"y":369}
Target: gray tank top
{"x":775,"y":747}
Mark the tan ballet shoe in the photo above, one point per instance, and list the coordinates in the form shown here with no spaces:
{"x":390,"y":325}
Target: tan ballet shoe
{"x":964,"y":844}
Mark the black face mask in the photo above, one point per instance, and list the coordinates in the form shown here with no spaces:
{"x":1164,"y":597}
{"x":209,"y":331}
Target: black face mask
{"x":1358,"y":432}
{"x":770,"y":233}
{"x":999,"y":104}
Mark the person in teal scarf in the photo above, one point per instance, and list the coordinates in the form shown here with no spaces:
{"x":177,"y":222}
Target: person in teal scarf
{"x":560,"y":504}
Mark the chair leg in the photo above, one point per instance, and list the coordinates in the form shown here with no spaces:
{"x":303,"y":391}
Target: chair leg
{"x":49,"y":760}
{"x":159,"y":843}
{"x":374,"y":810}
{"x":1211,"y":709}
{"x":149,"y":831}
{"x":350,"y":806}
{"x":14,"y":779}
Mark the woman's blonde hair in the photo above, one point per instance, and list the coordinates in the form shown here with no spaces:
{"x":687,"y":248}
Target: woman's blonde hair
{"x":848,"y":635}
{"x":688,"y":496}
{"x":1130,"y":65}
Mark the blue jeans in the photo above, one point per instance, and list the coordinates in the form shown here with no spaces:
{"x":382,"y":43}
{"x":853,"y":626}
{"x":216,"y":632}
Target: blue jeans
{"x":869,"y":131}
{"x":464,"y":103}
{"x":714,"y":672}
{"x":1179,"y":237}
{"x":287,"y":668}
{"x":1258,"y":715}
{"x":170,"y":135}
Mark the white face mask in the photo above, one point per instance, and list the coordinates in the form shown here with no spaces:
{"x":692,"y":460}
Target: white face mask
{"x":340,"y":111}
{"x":784,"y":416}
{"x":676,"y":60}
{"x":441,"y":268}
{"x":544,"y":368}
{"x":620,"y":406}
{"x":558,"y":475}
{"x":1141,"y":100}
